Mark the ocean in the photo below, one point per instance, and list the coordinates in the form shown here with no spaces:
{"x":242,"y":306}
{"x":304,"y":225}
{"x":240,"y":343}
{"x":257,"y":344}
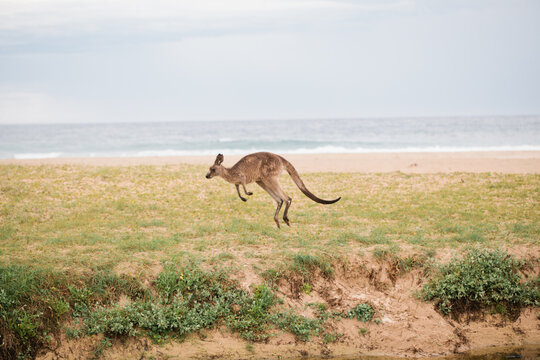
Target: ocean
{"x":449,"y":134}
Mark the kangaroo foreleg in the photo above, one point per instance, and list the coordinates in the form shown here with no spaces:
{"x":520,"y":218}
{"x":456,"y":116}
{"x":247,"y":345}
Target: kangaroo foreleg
{"x":244,"y":186}
{"x":238,"y":191}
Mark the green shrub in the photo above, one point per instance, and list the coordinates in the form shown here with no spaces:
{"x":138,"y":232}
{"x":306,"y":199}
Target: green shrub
{"x":81,"y":299}
{"x":481,"y":278}
{"x":190,"y":299}
{"x":251,"y":320}
{"x":33,"y":302}
{"x":187,"y":299}
{"x":361,"y":312}
{"x":26,"y":314}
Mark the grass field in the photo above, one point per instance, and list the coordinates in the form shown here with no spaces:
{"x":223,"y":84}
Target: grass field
{"x":78,"y":221}
{"x":72,"y":217}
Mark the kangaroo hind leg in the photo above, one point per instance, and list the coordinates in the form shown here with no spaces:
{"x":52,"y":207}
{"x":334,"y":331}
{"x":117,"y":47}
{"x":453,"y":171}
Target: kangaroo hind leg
{"x":273,"y":184}
{"x":285,"y":217}
{"x":274,"y":196}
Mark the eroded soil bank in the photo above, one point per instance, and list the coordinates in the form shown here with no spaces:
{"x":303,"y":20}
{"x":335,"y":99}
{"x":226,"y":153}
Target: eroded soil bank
{"x":406,"y":326}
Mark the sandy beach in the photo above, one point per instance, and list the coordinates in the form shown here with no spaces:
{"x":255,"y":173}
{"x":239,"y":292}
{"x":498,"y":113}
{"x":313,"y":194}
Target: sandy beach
{"x":507,"y":162}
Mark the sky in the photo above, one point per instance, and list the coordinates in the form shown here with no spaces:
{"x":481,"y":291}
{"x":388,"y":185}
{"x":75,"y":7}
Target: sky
{"x":83,"y":61}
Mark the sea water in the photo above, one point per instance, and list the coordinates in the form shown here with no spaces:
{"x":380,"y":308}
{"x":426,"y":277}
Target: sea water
{"x":279,"y":136}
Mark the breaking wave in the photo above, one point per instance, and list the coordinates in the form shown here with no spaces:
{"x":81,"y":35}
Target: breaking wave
{"x":316,"y":150}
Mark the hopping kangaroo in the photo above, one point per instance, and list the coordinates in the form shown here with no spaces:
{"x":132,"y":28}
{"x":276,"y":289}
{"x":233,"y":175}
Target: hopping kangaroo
{"x":263,"y":168}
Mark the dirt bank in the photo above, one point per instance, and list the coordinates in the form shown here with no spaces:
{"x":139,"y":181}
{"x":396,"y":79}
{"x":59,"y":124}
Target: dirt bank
{"x":404,"y":327}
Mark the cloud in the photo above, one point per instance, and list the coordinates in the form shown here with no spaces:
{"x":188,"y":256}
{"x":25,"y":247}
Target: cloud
{"x":120,"y":60}
{"x":34,"y":107}
{"x":56,"y":25}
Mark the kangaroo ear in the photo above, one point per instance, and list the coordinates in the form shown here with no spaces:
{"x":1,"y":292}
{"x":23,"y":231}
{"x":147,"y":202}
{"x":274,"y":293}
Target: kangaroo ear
{"x":219,"y":159}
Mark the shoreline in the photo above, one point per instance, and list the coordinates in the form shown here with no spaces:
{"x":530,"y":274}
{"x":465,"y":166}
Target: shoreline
{"x":508,"y":162}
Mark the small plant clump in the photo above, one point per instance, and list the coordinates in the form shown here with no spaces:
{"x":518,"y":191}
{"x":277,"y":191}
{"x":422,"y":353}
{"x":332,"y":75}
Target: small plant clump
{"x":332,"y":337}
{"x":306,"y":264}
{"x":301,"y":268}
{"x":361,"y":312}
{"x":399,"y":265}
{"x":482,"y":278}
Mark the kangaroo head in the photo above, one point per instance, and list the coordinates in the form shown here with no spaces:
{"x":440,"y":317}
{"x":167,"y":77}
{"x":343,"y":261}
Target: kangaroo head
{"x":216,"y":169}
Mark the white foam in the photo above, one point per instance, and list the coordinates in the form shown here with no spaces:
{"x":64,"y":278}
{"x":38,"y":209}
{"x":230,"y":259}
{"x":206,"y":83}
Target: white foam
{"x":326,"y":150}
{"x":429,"y":149}
{"x":317,"y":150}
{"x":172,"y":152}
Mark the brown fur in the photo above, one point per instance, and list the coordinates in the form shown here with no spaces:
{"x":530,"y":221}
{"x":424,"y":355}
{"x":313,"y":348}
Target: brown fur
{"x":263,"y":168}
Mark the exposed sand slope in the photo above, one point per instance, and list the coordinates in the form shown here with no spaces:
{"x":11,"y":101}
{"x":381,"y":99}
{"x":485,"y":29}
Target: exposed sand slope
{"x":407,"y":326}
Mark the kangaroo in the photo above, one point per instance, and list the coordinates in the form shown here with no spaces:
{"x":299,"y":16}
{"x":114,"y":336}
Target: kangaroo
{"x":264,"y":169}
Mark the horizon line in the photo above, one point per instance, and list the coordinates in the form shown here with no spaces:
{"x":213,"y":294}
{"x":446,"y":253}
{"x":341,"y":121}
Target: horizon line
{"x":278,"y":119}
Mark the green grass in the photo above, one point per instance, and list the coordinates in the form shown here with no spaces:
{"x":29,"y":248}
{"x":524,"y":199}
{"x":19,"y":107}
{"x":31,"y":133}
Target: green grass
{"x":65,"y":231}
{"x":52,"y":214}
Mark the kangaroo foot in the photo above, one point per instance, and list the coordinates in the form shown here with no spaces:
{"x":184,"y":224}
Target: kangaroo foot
{"x":249,"y":193}
{"x":243,"y":198}
{"x":277,"y":223}
{"x":286,"y":221}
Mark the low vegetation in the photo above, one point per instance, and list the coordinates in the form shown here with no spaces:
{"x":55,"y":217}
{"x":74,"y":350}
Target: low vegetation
{"x":187,"y":299}
{"x":35,"y":301}
{"x":482,"y":279}
{"x":153,"y":251}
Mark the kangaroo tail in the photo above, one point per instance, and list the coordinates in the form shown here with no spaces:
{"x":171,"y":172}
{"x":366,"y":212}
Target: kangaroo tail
{"x":296,"y":178}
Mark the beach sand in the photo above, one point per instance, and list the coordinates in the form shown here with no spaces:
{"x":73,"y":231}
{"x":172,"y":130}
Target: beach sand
{"x":509,"y":162}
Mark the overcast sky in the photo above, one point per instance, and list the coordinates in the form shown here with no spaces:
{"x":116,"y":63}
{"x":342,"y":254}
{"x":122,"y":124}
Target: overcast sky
{"x":173,"y":60}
